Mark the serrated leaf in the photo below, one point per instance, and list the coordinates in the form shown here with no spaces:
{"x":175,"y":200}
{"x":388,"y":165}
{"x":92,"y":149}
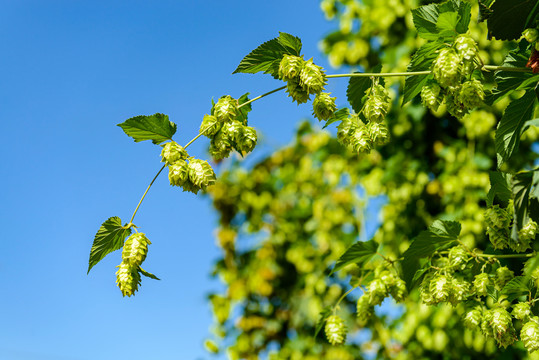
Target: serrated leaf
{"x":110,"y":237}
{"x":421,"y":60}
{"x":266,"y":57}
{"x":147,"y":274}
{"x":530,"y":266}
{"x":509,"y":129}
{"x":517,"y":287}
{"x":500,"y":188}
{"x":244,"y":110}
{"x":324,"y":314}
{"x":429,"y":26}
{"x":359,"y":253}
{"x":357,"y":86}
{"x":508,"y":18}
{"x":339,"y":115}
{"x":493,"y":293}
{"x":156,"y":127}
{"x":484,"y":9}
{"x":440,"y":235}
{"x":523,"y":183}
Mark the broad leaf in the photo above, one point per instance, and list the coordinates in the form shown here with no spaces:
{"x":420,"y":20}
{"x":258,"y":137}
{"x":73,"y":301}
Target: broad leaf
{"x":493,"y":293}
{"x":156,"y":127}
{"x":244,"y":110}
{"x":445,"y":21}
{"x":524,"y":183}
{"x":500,"y":188}
{"x":357,"y":87}
{"x":147,"y":274}
{"x":339,"y":115}
{"x":510,"y":127}
{"x":517,"y":287}
{"x":266,"y":57}
{"x":440,"y":235}
{"x":109,"y":237}
{"x":324,"y":314}
{"x":508,"y":18}
{"x":359,"y":253}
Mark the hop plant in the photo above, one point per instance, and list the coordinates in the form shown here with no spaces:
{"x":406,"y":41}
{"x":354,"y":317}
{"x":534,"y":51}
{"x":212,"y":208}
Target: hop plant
{"x":220,"y":145}
{"x":210,"y":126}
{"x":296,"y":91}
{"x":364,"y":310}
{"x":501,"y":326}
{"x":528,"y":232}
{"x":440,"y":287}
{"x":201,"y":174}
{"x":497,"y":221}
{"x":135,"y":249}
{"x":173,"y":152}
{"x":530,"y":334}
{"x":430,"y":95}
{"x":290,"y":67}
{"x":459,"y":290}
{"x":377,"y":105}
{"x":458,"y":257}
{"x":312,"y":78}
{"x":377,"y":292}
{"x":226,"y":109}
{"x":346,"y":128}
{"x":361,"y":139}
{"x":471,"y":94}
{"x":466,"y":47}
{"x":398,"y":291}
{"x":324,"y":106}
{"x":480,"y":284}
{"x":247,"y":140}
{"x":379,"y":133}
{"x":503,"y":276}
{"x":335,"y":330}
{"x":233,"y":131}
{"x":472,"y":318}
{"x":127,"y":278}
{"x":178,"y":173}
{"x":447,"y":68}
{"x":455,"y":107}
{"x":531,"y":35}
{"x":521,"y":311}
{"x":424,"y":290}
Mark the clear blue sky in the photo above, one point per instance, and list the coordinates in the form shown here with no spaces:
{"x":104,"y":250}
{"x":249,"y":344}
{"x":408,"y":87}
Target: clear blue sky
{"x":72,"y":70}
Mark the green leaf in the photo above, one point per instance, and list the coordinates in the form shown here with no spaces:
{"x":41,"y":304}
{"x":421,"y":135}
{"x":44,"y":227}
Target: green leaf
{"x":500,"y":188}
{"x":421,"y":60}
{"x":440,"y":235}
{"x":493,"y":293}
{"x":530,"y":266}
{"x":324,"y":314}
{"x":509,"y":129}
{"x":525,"y":185}
{"x":359,"y":253}
{"x":339,"y":115}
{"x":147,"y":274}
{"x":517,"y":287}
{"x":446,"y":20}
{"x":509,"y":18}
{"x":357,"y":86}
{"x":244,"y":110}
{"x":446,"y":24}
{"x":156,"y":127}
{"x":109,"y":237}
{"x":266,"y":57}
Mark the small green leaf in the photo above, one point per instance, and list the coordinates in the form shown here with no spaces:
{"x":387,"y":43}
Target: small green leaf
{"x":493,"y":293}
{"x":500,"y":188}
{"x":440,"y":235}
{"x":359,"y":253}
{"x":147,"y":274}
{"x":267,"y":56}
{"x":339,"y":115}
{"x":244,"y":110}
{"x":156,"y":127}
{"x":509,"y":129}
{"x":109,"y":237}
{"x":432,"y":25}
{"x":357,"y":86}
{"x":509,"y":18}
{"x":525,"y":185}
{"x":324,"y":314}
{"x":517,"y":287}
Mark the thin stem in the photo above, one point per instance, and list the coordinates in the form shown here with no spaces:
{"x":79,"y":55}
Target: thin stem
{"x":143,"y":196}
{"x":506,"y":68}
{"x":261,"y":96}
{"x":426,"y":72}
{"x":341,"y":298}
{"x":507,"y":256}
{"x":193,"y":140}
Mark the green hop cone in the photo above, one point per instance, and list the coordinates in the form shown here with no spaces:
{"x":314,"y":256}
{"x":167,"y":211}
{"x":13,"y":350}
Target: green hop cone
{"x":472,"y":318}
{"x":178,"y":173}
{"x":247,"y":141}
{"x":135,"y":249}
{"x":447,"y":68}
{"x":503,"y":276}
{"x":440,"y":287}
{"x":497,"y":217}
{"x":521,"y":311}
{"x":480,"y":284}
{"x":290,"y":67}
{"x":221,"y":145}
{"x":346,"y":128}
{"x":430,"y":95}
{"x":530,"y":334}
{"x":127,"y":278}
{"x":398,"y":291}
{"x":528,"y":232}
{"x":502,"y":327}
{"x":226,"y":109}
{"x":210,"y":126}
{"x":324,"y":106}
{"x":335,"y":330}
{"x":486,"y":322}
{"x":173,"y":152}
{"x":361,"y":140}
{"x":471,"y":94}
{"x":377,"y":105}
{"x":296,"y":92}
{"x":459,"y":291}
{"x":364,"y":310}
{"x":312,"y":78}
{"x":455,"y":107}
{"x":201,"y":174}
{"x":379,"y":133}
{"x":531,"y":35}
{"x":458,"y":257}
{"x":466,"y":47}
{"x":424,"y":289}
{"x":233,"y":131}
{"x":377,"y":292}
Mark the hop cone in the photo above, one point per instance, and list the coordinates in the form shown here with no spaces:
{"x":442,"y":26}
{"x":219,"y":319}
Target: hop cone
{"x":503,"y":276}
{"x":172,"y":152}
{"x":335,"y":330}
{"x":530,"y":334}
{"x":447,"y":68}
{"x":528,"y":232}
{"x":459,"y":291}
{"x":210,"y":126}
{"x":480,"y":284}
{"x":346,"y":128}
{"x":531,"y":35}
{"x":398,"y":291}
{"x":135,"y":249}
{"x":232,"y":130}
{"x":471,"y":94}
{"x":361,"y":140}
{"x":521,"y":311}
{"x":466,"y":47}
{"x":324,"y":106}
{"x":377,"y":292}
{"x":127,"y":278}
{"x":201,"y":174}
{"x":290,"y":67}
{"x":312,"y":78}
{"x":424,"y":290}
{"x":226,"y":109}
{"x":430,"y":95}
{"x":364,"y":310}
{"x":377,"y":105}
{"x":178,"y":173}
{"x":472,"y":319}
{"x":379,"y":133}
{"x":296,"y":92}
{"x":458,"y":257}
{"x":502,"y":327}
{"x":498,"y":221}
{"x":455,"y":107}
{"x":440,"y":287}
{"x":247,"y":141}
